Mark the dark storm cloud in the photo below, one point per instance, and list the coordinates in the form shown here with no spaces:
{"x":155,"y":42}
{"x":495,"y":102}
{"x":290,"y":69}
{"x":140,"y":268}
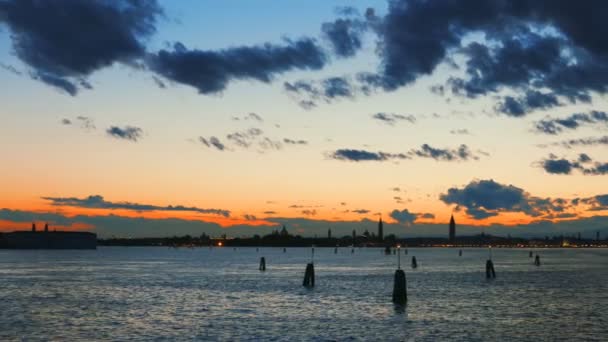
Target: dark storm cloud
{"x":127,"y":133}
{"x":485,"y":198}
{"x":583,"y":164}
{"x":211,"y":71}
{"x":212,"y":142}
{"x":554,"y":126}
{"x":391,"y":118}
{"x":65,"y":41}
{"x":98,"y":202}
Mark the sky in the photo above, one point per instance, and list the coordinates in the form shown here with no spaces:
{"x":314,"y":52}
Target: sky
{"x":157,"y":118}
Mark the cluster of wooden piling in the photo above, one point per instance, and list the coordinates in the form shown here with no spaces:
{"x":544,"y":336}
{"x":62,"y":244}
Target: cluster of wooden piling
{"x":400,"y":284}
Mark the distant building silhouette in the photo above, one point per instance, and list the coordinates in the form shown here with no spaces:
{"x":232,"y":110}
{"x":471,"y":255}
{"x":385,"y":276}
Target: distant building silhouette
{"x":284,"y":231}
{"x":33,"y":226}
{"x":452,"y":229}
{"x":380,"y":230}
{"x":46,"y":227}
{"x":329,"y":233}
{"x":354,"y":236}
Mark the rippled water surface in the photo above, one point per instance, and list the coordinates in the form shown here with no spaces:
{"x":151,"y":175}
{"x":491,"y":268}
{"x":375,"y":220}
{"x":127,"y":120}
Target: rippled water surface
{"x":117,"y":293}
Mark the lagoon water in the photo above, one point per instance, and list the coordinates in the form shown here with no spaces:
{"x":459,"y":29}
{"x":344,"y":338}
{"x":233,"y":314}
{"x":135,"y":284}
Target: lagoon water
{"x":149,"y":293}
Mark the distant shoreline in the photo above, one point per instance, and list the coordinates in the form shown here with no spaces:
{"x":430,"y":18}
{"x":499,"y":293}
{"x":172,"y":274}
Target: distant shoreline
{"x":477,"y":241}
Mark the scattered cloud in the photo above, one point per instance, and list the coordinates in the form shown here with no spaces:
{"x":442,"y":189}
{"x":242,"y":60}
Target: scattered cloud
{"x":211,"y":71}
{"x":462,"y":131}
{"x":462,"y":153}
{"x":360,"y":211}
{"x":127,"y":133}
{"x":244,"y":139}
{"x":584,"y":164}
{"x":555,"y":126}
{"x":251,"y":116}
{"x":391,"y":118}
{"x":486,"y":198}
{"x":408,"y":218}
{"x":294,"y":142}
{"x":309,"y":212}
{"x":590,"y":141}
{"x":98,"y":202}
{"x":83,"y":122}
{"x":212,"y":142}
{"x":362,"y":155}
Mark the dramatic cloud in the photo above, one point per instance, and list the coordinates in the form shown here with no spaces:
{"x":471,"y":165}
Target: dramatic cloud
{"x":50,"y":37}
{"x":556,"y":126}
{"x":211,"y":71}
{"x":462,"y":153}
{"x":584,"y":164}
{"x":531,"y":47}
{"x":486,"y":198}
{"x":98,"y":202}
{"x":127,"y":133}
{"x":406,"y":217}
{"x":391,"y":119}
{"x":212,"y":142}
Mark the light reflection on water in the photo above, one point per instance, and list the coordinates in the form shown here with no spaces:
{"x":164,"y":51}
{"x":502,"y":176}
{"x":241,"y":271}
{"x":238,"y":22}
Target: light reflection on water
{"x":201,"y":294}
